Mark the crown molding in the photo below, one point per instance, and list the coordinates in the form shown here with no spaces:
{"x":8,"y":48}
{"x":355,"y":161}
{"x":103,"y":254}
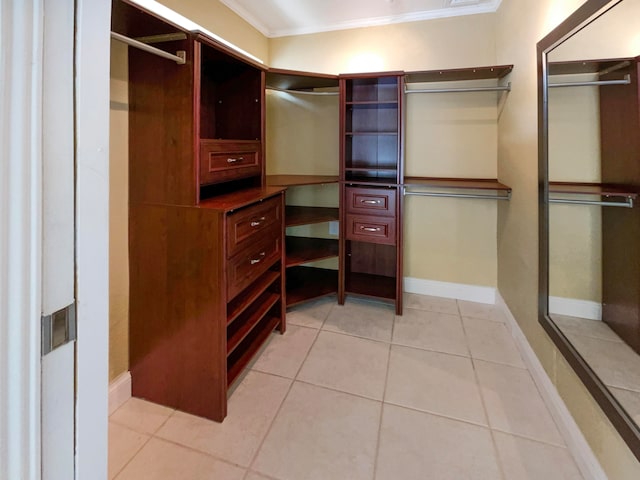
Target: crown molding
{"x":458,"y":11}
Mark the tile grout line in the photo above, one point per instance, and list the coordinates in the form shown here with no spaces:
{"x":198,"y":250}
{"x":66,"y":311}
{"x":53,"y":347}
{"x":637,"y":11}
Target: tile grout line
{"x":384,"y":394}
{"x":499,"y":460}
{"x":293,"y":381}
{"x":115,"y":477}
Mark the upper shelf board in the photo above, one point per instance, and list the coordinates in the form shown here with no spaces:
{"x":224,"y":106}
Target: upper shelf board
{"x":458,"y":74}
{"x":465,"y":183}
{"x":294,"y":80}
{"x":601,"y":66}
{"x":298,"y":180}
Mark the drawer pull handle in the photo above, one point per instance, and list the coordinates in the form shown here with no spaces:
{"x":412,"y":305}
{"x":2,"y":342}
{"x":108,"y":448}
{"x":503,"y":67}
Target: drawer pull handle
{"x":234,"y":160}
{"x":259,"y":259}
{"x":370,"y":229}
{"x":257,"y":222}
{"x":371,"y":202}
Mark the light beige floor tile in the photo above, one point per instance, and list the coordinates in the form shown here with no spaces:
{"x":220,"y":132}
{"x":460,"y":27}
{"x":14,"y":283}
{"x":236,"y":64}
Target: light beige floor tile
{"x":481,"y":310}
{"x":160,"y":460}
{"x":525,"y":459}
{"x":615,"y":363}
{"x":321,"y":434}
{"x":432,"y":304}
{"x":430,"y":330}
{"x":362,"y":318}
{"x":434,"y":382}
{"x":416,"y":445}
{"x":630,"y":401}
{"x":141,"y":416}
{"x":123,"y":445}
{"x":491,"y":341}
{"x":285,"y":353}
{"x":256,"y":476}
{"x":251,"y":408}
{"x":514,"y":404}
{"x":350,"y":364}
{"x":586,"y":327}
{"x":311,"y":314}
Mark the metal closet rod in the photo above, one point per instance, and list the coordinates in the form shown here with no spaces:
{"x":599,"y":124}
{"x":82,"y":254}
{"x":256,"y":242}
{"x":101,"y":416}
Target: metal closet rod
{"x":625,"y":81}
{"x":500,"y":88}
{"x":628,"y":204}
{"x":459,"y":195}
{"x":301,"y":92}
{"x":180,"y":58}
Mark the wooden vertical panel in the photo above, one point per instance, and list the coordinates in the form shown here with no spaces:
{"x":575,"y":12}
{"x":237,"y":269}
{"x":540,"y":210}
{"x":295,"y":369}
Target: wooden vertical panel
{"x":620,"y":144}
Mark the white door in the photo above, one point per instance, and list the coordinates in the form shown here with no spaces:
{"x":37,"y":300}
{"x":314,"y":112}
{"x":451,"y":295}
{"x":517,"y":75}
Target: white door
{"x":46,"y":428}
{"x":58,"y":242}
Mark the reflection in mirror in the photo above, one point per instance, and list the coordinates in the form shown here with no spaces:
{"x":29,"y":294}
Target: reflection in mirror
{"x":594,"y":212}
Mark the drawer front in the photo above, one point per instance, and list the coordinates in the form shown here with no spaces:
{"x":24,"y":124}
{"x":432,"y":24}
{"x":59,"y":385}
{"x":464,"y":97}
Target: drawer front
{"x":371,"y":201}
{"x":223,"y":161}
{"x":254,"y":220}
{"x":245,"y":267}
{"x":367,"y":228}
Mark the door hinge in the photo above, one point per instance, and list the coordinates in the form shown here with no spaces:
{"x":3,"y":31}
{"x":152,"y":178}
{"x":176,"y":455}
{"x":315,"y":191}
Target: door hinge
{"x":58,"y":328}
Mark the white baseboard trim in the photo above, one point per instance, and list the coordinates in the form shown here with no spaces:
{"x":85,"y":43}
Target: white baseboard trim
{"x":119,"y":391}
{"x":576,"y":443}
{"x":459,"y":291}
{"x":575,"y":308}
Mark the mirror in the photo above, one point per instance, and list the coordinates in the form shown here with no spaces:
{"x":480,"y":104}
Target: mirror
{"x":589,"y":167}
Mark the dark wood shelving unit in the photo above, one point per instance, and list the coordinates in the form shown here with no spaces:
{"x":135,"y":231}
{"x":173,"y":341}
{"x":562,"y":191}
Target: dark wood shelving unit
{"x":302,"y":250}
{"x":374,"y":286}
{"x":246,"y":298}
{"x":243,"y":325}
{"x":308,"y":283}
{"x":296,"y":215}
{"x":239,"y":359}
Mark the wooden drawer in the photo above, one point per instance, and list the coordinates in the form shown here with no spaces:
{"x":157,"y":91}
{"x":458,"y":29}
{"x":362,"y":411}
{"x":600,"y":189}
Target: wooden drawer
{"x":371,"y":201}
{"x":367,"y":228}
{"x":253,"y":220}
{"x":245,"y":267}
{"x":223,"y":160}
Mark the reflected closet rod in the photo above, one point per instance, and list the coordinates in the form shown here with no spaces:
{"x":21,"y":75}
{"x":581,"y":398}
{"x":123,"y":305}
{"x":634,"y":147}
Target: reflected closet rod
{"x":179,"y":58}
{"x":625,"y":81}
{"x":502,"y":88}
{"x":301,"y":92}
{"x":460,"y":195}
{"x":627,"y":204}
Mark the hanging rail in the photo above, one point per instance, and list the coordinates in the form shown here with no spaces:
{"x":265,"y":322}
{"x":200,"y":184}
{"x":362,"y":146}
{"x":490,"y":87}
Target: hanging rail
{"x":625,"y":81}
{"x":300,"y":92}
{"x":628,"y":204}
{"x":180,"y":58}
{"x":500,"y":88}
{"x":459,"y":195}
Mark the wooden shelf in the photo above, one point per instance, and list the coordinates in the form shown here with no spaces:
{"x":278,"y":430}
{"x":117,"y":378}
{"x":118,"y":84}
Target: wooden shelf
{"x":241,"y":198}
{"x":304,"y":250}
{"x":593,"y":189}
{"x":374,"y":286}
{"x":374,"y":103}
{"x":307,"y":283}
{"x":296,"y":215}
{"x":296,"y":80}
{"x":246,"y":298}
{"x":464,"y":183}
{"x":300,"y":180}
{"x":374,"y":134}
{"x":249,"y":320}
{"x":386,"y":181}
{"x":458,"y":74}
{"x":585,"y":66}
{"x":240,"y":358}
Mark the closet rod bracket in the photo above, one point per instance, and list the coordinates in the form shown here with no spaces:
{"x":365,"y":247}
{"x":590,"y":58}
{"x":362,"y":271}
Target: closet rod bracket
{"x":179,"y":58}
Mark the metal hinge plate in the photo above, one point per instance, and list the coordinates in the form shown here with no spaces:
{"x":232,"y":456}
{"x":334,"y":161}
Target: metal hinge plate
{"x":58,"y":328}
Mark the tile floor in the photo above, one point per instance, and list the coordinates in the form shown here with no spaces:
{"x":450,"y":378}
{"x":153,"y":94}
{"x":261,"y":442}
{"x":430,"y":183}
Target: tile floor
{"x":353,"y":392}
{"x":616,"y":363}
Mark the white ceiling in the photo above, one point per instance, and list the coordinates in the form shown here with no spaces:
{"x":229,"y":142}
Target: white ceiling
{"x":279,"y":18}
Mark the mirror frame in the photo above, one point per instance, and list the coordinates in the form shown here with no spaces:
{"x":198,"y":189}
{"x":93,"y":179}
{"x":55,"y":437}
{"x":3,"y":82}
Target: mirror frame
{"x":628,"y":430}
